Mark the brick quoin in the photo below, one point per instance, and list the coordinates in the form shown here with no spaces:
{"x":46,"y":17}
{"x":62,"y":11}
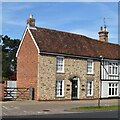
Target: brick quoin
{"x":27,"y":64}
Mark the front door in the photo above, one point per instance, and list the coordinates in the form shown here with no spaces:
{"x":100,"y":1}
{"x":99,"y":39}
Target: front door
{"x":74,"y":89}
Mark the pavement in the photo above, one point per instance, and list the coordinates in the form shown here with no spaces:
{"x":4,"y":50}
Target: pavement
{"x":19,"y":108}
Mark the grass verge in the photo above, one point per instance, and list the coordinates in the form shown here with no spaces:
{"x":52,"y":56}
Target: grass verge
{"x":96,"y":108}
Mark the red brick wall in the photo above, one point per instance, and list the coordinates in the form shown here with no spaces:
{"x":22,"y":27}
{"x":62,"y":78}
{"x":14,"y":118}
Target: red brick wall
{"x":2,"y":86}
{"x":27,"y":64}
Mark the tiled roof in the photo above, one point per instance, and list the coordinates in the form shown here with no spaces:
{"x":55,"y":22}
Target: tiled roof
{"x":54,"y":41}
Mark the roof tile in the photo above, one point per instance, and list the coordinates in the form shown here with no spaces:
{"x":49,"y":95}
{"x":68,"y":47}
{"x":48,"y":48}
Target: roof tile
{"x":68,"y":43}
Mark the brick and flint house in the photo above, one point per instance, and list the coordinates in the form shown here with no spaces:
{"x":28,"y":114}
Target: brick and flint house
{"x":66,"y":66}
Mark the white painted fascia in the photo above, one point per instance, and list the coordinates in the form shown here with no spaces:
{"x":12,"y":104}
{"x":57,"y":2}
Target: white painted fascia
{"x":34,"y":41}
{"x":27,"y":28}
{"x":21,"y":41}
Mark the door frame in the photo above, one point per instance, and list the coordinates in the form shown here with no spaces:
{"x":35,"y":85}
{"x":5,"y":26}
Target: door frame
{"x":78,"y":87}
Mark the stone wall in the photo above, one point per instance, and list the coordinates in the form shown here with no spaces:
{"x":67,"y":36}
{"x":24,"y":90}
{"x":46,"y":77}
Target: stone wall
{"x":73,"y":67}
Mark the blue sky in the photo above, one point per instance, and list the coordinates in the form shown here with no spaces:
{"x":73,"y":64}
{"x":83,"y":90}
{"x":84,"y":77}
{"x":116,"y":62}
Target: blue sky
{"x":77,"y":17}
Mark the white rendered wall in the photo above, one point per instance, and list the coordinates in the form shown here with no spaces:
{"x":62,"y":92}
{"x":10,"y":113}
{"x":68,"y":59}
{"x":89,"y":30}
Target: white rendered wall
{"x":105,"y":90}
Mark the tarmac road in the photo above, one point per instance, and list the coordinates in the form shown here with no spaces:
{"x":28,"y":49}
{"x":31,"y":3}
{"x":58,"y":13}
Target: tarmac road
{"x":109,"y":115}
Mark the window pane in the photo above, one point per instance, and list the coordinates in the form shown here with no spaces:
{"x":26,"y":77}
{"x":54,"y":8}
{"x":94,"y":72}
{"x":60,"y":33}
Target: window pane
{"x":113,"y":70}
{"x":115,"y":91}
{"x":116,"y":69}
{"x":109,"y":91}
{"x":57,"y":92}
{"x":110,"y":69}
{"x":90,"y":85}
{"x":112,"y":91}
{"x":60,"y":91}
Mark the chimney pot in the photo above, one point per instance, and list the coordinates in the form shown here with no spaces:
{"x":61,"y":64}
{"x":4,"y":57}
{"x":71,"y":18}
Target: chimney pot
{"x":103,"y":34}
{"x":31,"y":16}
{"x":101,"y":29}
{"x":31,"y":21}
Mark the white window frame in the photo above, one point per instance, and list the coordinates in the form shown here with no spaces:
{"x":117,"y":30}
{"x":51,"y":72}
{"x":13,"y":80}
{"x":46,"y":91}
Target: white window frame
{"x":59,"y":71}
{"x":111,"y":88}
{"x":112,"y":68}
{"x":88,"y":83}
{"x":90,"y":67}
{"x":58,"y":88}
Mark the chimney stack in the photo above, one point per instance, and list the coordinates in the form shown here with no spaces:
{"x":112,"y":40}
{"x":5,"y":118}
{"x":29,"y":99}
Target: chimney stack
{"x":31,"y":21}
{"x":103,"y":34}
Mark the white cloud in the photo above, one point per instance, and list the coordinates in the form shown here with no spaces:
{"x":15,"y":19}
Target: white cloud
{"x":88,"y":33}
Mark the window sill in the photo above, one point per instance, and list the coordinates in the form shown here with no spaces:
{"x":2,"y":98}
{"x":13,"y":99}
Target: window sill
{"x":60,"y":96}
{"x":89,"y":95}
{"x":90,"y":74}
{"x":114,"y":75}
{"x":113,"y":96}
{"x":58,"y":72}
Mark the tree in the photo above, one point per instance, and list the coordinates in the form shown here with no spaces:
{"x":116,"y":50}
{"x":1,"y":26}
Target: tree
{"x":9,"y":49}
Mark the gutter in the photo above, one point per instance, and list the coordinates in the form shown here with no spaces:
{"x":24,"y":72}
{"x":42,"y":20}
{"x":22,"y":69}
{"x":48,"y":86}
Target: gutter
{"x":74,"y":56}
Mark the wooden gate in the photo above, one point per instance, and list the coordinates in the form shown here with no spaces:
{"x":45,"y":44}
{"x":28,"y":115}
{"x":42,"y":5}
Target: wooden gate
{"x":11,"y":93}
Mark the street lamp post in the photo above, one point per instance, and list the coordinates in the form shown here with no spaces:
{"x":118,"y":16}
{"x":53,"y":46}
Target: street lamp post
{"x":99,"y":88}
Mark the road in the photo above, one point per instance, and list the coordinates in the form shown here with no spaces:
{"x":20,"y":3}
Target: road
{"x":54,"y":109}
{"x":110,"y":115}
